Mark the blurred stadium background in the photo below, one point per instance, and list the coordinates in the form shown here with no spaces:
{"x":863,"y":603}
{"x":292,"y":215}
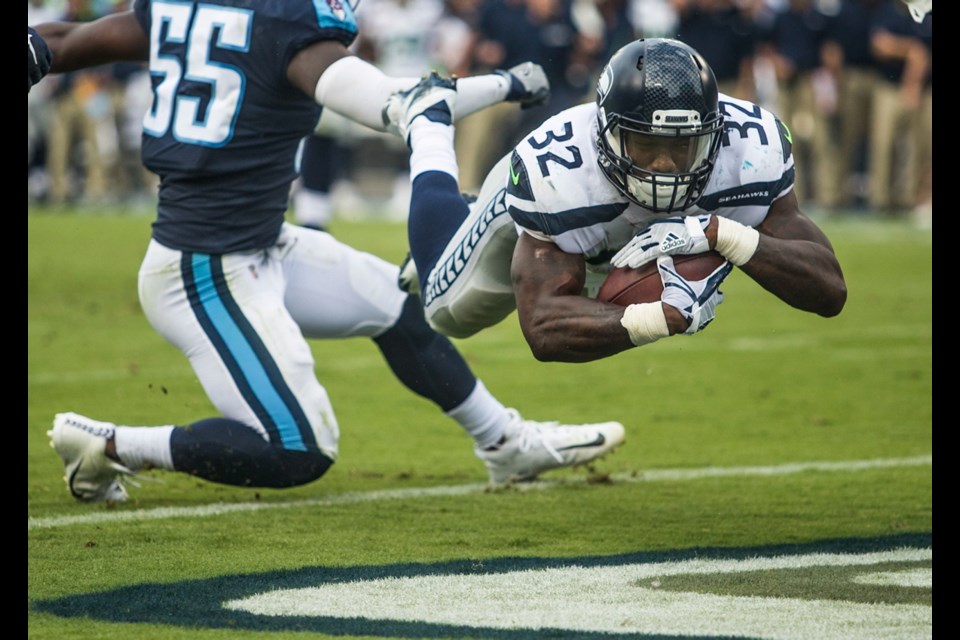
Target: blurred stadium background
{"x":839,"y":72}
{"x":774,"y":437}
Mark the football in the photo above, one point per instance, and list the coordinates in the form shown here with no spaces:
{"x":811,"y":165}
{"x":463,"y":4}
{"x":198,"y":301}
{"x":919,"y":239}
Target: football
{"x":624,"y":286}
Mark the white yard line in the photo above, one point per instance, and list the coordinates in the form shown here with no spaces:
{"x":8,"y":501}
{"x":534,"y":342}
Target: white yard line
{"x":655,"y":475}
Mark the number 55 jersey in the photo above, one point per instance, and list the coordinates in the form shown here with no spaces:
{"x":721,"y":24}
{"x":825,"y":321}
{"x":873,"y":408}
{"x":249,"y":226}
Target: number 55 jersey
{"x":225,"y":124}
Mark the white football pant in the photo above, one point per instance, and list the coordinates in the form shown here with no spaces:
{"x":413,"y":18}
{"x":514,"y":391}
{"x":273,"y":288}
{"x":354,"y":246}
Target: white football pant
{"x":242,"y":320}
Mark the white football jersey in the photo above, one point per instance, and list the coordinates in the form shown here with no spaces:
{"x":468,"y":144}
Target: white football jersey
{"x":556,"y":190}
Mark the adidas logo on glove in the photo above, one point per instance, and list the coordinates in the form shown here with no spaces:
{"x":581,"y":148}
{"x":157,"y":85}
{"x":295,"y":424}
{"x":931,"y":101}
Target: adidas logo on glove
{"x":672,"y":241}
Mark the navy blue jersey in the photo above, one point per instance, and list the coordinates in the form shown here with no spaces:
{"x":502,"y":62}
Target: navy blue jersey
{"x":722,"y":36}
{"x":225,"y":123}
{"x":850,"y":29}
{"x":895,"y":19}
{"x":798,"y":35}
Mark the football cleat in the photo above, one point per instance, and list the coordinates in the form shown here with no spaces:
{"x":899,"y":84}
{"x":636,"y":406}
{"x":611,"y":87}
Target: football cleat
{"x":81,"y":442}
{"x":528,"y":84}
{"x":529,"y":448}
{"x":409,"y":279}
{"x":433,"y":98}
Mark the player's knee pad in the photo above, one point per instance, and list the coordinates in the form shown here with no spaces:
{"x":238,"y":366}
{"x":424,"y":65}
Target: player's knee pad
{"x":295,"y":468}
{"x":229,"y":452}
{"x":469,"y":314}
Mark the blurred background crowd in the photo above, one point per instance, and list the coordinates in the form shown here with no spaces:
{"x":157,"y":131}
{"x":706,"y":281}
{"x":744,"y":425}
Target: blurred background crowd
{"x":852,"y":79}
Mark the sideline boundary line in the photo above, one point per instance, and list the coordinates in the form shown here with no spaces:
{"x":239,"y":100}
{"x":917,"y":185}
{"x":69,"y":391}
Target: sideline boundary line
{"x":655,"y":475}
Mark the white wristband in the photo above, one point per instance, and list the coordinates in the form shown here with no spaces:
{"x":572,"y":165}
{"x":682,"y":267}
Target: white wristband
{"x":645,"y":322}
{"x":736,"y":242}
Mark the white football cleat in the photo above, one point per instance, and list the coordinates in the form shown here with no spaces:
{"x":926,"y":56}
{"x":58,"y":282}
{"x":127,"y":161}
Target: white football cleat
{"x":433,"y":98}
{"x":409,"y":279}
{"x":528,"y":84}
{"x":530,"y":448}
{"x":90,"y":475}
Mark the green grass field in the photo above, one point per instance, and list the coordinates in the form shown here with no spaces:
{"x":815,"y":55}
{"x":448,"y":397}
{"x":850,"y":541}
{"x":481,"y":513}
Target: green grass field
{"x":776,"y":481}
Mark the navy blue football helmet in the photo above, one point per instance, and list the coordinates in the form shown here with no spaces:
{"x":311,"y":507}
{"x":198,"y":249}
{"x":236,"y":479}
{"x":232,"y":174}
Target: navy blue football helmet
{"x":659,"y":124}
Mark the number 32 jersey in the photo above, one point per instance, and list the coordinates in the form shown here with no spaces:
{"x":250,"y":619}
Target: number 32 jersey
{"x":556,"y":190}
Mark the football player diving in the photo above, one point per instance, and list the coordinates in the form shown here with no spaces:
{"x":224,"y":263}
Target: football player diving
{"x":660,"y":164}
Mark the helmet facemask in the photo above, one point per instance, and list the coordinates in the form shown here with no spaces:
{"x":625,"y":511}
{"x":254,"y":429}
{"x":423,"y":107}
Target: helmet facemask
{"x":659,"y":123}
{"x":661,"y":165}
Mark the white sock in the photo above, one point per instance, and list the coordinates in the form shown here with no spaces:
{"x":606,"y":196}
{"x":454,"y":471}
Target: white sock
{"x":432,"y":148}
{"x":357,"y":90}
{"x":482,"y":416}
{"x":479,"y":92}
{"x":139,"y":446}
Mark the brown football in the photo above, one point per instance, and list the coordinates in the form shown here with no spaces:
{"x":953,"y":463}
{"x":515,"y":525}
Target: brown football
{"x":626,"y":286}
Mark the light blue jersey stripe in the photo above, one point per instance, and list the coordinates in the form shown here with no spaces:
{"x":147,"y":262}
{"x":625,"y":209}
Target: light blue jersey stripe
{"x":244,"y":354}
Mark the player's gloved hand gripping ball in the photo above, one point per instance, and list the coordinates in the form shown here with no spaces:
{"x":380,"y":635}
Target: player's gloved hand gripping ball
{"x":697,"y":300}
{"x":668,"y":236}
{"x":689,"y":283}
{"x":687,"y":236}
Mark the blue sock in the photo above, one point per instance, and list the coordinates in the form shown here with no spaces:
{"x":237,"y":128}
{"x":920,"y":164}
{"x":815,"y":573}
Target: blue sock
{"x":436,"y":211}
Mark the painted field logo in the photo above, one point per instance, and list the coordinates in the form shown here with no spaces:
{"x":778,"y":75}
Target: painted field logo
{"x":832,"y":590}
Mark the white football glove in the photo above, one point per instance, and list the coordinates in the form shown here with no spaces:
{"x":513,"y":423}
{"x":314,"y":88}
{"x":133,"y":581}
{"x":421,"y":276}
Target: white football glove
{"x":697,"y":300}
{"x":668,"y":236}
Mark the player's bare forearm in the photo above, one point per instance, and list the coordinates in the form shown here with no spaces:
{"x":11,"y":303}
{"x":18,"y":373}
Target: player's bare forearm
{"x":796,"y":262}
{"x":80,"y":45}
{"x":573,"y":329}
{"x":558,"y":323}
{"x":801,"y":273}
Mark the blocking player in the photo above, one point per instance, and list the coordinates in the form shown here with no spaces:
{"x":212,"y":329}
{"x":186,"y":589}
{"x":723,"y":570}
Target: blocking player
{"x":237,"y":85}
{"x":661,"y":164}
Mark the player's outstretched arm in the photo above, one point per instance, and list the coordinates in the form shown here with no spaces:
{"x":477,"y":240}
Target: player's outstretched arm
{"x":795,"y":261}
{"x":558,"y":323}
{"x":80,"y":45}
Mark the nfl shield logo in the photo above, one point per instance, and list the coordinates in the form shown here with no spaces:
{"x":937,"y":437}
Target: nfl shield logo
{"x":337,"y":8}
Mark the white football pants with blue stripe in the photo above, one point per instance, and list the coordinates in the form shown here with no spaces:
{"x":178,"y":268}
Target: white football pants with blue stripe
{"x":242,"y":320}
